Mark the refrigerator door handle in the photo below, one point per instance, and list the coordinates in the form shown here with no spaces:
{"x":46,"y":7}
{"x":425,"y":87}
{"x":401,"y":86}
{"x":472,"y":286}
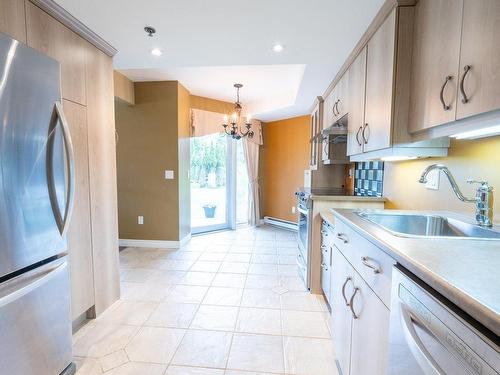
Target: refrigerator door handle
{"x":62,"y":221}
{"x":28,"y":285}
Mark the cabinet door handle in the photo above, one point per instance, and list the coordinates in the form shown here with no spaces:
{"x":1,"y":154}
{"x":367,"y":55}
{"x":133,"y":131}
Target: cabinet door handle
{"x":465,"y":99}
{"x":363,"y":133}
{"x":446,"y":107}
{"x":324,"y":266}
{"x":365,"y":261}
{"x":343,"y":289}
{"x":337,"y":107}
{"x":342,"y":237}
{"x":357,"y":136}
{"x":351,"y":301}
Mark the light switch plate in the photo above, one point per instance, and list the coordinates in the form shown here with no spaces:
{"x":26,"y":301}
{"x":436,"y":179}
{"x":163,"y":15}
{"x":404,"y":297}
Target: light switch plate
{"x":140,"y":220}
{"x":433,"y":180}
{"x":293,"y":209}
{"x":169,"y":175}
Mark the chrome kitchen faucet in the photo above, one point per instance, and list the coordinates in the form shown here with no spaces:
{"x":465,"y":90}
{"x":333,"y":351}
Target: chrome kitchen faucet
{"x":483,"y":198}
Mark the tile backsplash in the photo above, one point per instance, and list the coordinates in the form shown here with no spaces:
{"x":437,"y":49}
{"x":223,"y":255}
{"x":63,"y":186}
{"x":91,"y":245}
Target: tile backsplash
{"x":369,"y":178}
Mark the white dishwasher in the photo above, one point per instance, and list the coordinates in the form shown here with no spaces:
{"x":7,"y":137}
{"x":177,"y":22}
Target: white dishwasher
{"x":430,"y":336}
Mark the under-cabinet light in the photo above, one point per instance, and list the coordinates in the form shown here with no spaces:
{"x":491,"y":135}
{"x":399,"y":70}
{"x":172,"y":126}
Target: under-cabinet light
{"x":479,"y":133}
{"x":398,"y":158}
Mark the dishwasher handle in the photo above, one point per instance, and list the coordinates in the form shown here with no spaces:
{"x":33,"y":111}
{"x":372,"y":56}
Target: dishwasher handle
{"x":417,"y":348}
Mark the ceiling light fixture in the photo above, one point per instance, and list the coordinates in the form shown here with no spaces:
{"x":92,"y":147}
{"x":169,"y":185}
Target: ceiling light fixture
{"x":478,"y":133}
{"x":235,"y":130}
{"x":278,"y":48}
{"x":156,"y":52}
{"x":150,"y":30}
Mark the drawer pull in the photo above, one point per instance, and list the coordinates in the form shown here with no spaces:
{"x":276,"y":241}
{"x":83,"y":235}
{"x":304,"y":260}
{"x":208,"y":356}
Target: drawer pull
{"x":324,"y":266}
{"x":351,"y":302}
{"x":343,"y":289}
{"x":324,"y":232}
{"x":342,"y":237}
{"x":366,"y":262}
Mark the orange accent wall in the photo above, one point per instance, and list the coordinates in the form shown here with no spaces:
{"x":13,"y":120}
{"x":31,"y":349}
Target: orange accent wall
{"x":283,"y":158}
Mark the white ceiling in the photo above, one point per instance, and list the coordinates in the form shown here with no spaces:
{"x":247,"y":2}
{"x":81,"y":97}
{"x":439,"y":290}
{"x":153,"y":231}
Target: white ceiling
{"x":209,"y":45}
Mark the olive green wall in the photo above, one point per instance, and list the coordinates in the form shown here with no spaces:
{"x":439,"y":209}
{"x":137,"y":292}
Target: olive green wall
{"x":147,"y":146}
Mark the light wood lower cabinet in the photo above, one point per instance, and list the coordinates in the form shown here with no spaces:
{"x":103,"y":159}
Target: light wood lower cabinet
{"x":360,"y":321}
{"x":13,"y":19}
{"x":342,"y":287}
{"x":79,"y":233}
{"x":103,"y":193}
{"x":52,"y":38}
{"x":479,"y":58}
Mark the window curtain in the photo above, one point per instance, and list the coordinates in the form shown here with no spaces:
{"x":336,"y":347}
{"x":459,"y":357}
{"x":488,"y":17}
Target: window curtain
{"x":251,"y":149}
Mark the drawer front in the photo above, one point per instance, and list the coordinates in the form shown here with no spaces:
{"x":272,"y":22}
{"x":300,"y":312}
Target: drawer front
{"x":374,"y":266}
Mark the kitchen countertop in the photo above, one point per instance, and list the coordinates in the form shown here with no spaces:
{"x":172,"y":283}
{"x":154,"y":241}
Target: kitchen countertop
{"x":465,"y":271}
{"x":346,"y":198}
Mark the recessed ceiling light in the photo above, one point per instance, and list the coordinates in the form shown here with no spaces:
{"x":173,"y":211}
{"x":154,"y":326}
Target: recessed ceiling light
{"x":156,"y":52}
{"x":278,"y":48}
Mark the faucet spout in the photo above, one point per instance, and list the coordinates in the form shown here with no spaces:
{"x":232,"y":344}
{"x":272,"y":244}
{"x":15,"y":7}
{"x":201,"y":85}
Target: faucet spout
{"x":451,"y":179}
{"x":483,"y":198}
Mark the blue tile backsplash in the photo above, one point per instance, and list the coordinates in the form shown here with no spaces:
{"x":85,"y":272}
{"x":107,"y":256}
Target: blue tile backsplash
{"x":369,"y":178}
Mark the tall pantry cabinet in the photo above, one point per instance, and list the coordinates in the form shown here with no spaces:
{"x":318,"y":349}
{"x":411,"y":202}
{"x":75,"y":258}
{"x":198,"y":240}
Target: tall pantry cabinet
{"x":87,"y":91}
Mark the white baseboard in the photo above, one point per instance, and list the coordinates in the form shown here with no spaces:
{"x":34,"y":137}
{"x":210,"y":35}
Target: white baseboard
{"x":157,"y":244}
{"x":284,"y":224}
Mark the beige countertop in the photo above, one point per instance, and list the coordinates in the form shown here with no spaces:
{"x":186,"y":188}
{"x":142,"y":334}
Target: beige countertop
{"x":346,"y":198}
{"x":465,"y":271}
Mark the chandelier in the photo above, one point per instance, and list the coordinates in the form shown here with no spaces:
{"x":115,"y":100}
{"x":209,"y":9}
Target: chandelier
{"x":233,"y":127}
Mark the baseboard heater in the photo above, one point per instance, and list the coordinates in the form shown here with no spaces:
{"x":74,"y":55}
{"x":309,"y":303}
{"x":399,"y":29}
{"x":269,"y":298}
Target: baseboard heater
{"x":284,"y":224}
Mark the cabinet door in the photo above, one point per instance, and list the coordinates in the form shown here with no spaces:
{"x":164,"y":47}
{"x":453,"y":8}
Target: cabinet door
{"x":12,"y":19}
{"x":102,"y":166}
{"x":480,"y":53}
{"x":52,"y":38}
{"x":356,"y":92}
{"x":342,"y":100}
{"x":313,"y":163}
{"x":379,"y":86}
{"x":436,"y":49}
{"x":342,"y":285}
{"x":328,"y":109}
{"x":79,"y":233}
{"x":370,"y":332}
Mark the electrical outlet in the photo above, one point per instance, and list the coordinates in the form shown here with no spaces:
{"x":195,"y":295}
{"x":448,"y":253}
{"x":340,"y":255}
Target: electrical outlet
{"x":169,"y":175}
{"x":140,"y":220}
{"x":433,"y":180}
{"x":293,"y":209}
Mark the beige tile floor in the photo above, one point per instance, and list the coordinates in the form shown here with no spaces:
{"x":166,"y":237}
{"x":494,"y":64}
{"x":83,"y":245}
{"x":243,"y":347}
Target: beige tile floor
{"x":228,"y":303}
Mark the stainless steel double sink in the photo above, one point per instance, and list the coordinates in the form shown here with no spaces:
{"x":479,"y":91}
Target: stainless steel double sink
{"x":428,"y":225}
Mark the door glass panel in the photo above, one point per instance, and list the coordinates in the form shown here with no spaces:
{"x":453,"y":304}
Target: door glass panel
{"x":208,"y":178}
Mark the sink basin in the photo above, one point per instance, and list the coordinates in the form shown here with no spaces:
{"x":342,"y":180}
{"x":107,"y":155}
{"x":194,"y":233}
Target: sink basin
{"x":421,"y":225}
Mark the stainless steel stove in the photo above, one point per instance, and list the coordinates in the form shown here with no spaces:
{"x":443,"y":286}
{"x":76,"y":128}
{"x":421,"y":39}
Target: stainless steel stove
{"x":304,"y":226}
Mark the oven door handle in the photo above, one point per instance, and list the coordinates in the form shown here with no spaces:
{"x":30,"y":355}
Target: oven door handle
{"x":302,"y":211}
{"x":417,"y":348}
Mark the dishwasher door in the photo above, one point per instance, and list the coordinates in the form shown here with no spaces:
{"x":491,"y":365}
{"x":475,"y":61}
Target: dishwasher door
{"x":427,"y":337}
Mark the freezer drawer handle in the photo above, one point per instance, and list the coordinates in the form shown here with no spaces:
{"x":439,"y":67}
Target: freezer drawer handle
{"x":20,"y":292}
{"x":62,"y":221}
{"x":423,"y":357}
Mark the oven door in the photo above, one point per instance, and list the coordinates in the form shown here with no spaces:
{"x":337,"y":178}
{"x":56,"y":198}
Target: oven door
{"x":303,"y":230}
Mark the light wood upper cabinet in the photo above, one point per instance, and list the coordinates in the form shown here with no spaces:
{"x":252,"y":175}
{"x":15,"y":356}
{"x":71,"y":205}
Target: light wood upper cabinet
{"x":314,"y":140}
{"x":436,"y":49}
{"x":52,"y":38}
{"x":337,"y":102}
{"x":356,"y":92}
{"x":102,"y":162}
{"x":480,"y":53}
{"x":13,"y":19}
{"x":376,"y":132}
{"x":79,"y":233}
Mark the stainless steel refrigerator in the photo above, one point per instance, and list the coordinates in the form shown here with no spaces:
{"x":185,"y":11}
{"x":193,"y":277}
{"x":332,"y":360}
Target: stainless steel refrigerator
{"x":36,"y":198}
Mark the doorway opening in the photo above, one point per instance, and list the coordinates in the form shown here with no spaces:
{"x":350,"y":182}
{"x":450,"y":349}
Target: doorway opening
{"x":219,"y":183}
